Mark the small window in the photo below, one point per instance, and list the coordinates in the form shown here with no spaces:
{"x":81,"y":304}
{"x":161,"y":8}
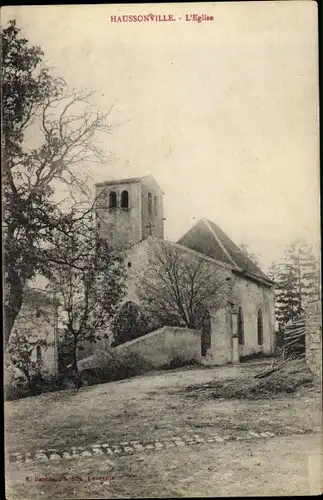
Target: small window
{"x":260,"y":328}
{"x":112,"y":199}
{"x":38,"y":353}
{"x":240,"y":326}
{"x":124,"y":199}
{"x":129,"y":264}
{"x":150,"y":203}
{"x":155,"y":205}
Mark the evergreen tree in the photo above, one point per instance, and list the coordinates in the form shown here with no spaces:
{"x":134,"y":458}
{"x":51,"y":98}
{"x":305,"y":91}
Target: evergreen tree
{"x":309,"y":275}
{"x":297,"y":281}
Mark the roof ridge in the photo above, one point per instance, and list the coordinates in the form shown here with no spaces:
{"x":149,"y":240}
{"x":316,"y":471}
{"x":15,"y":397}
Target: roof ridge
{"x":219,"y":245}
{"x":245,"y":258}
{"x":208,"y":225}
{"x":124,"y":179}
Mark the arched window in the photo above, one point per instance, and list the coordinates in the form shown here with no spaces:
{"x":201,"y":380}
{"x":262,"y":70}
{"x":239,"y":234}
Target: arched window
{"x":240,"y":326}
{"x":112,"y":199}
{"x":260,"y":328}
{"x":150,"y":203}
{"x":155,"y":205}
{"x":124,"y":199}
{"x":38,"y":353}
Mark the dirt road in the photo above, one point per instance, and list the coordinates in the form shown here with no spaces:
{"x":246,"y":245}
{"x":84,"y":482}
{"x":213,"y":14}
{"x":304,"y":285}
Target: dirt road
{"x":280,"y":466}
{"x":157,"y":407}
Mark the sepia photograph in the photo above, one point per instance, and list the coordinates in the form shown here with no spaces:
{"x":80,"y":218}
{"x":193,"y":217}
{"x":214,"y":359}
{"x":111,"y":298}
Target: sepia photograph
{"x":161,"y":250}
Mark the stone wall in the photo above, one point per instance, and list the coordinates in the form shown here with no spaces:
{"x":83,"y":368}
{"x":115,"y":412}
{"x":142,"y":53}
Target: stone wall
{"x":313,"y":338}
{"x":162,"y":346}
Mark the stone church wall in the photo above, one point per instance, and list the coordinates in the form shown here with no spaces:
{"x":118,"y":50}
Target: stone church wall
{"x":251,"y":297}
{"x":136,"y":262}
{"x":156,"y":216}
{"x":119,"y":226}
{"x":162,"y":346}
{"x":221,"y":338}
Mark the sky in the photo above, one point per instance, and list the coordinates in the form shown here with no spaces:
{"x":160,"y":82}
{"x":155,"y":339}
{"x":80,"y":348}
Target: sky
{"x":223,"y":113}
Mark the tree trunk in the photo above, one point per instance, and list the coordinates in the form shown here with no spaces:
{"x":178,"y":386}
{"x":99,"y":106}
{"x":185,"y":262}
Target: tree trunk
{"x":12,"y":305}
{"x":74,"y":364}
{"x":28,"y":377}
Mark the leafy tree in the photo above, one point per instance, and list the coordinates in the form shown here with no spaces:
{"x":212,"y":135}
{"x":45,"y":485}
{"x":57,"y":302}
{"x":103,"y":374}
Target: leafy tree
{"x":178,"y":285}
{"x":64,"y":127}
{"x":87,"y":280}
{"x":130,"y":323}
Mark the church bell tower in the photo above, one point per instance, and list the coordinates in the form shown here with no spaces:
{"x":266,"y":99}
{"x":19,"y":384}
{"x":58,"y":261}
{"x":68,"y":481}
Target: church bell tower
{"x":129,"y":210}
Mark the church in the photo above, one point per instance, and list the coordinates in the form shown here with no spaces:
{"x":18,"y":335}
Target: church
{"x":129,"y":214}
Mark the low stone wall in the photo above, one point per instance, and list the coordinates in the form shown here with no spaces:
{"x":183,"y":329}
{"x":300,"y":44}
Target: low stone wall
{"x":313,"y":338}
{"x":165,"y":344}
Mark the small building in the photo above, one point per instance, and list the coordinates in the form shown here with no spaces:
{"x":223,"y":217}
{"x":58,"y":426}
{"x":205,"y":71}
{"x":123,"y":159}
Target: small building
{"x":37,"y":323}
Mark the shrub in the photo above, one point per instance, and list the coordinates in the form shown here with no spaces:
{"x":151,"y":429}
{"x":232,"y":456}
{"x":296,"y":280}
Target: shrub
{"x":16,"y":389}
{"x":124,"y":366}
{"x":20,"y":388}
{"x":178,"y":362}
{"x":255,"y":355}
{"x":130,"y":323}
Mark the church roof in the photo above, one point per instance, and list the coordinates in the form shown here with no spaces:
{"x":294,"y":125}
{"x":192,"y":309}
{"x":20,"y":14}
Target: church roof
{"x":208,"y":239}
{"x":122,"y":181}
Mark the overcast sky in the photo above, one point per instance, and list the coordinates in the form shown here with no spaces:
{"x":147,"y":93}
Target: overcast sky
{"x":223,"y":114}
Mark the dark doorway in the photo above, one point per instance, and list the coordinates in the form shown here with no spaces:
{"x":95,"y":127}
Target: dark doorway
{"x":240,"y":326}
{"x":205,"y":332}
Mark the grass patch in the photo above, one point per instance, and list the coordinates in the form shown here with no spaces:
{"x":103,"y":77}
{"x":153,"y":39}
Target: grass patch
{"x":287,"y":380}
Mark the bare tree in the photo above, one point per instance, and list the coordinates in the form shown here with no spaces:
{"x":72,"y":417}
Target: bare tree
{"x":178,"y":286}
{"x":68,"y":126}
{"x":47,"y":133}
